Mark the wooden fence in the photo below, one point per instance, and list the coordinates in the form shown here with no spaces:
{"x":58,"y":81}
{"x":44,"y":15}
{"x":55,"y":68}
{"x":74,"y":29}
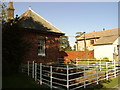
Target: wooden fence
{"x":69,"y":76}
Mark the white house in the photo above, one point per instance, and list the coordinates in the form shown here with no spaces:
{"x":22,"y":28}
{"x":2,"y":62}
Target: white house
{"x":107,"y":46}
{"x":92,"y":37}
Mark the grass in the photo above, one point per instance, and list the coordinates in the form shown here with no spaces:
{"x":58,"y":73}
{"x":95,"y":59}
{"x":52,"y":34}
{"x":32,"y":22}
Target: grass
{"x":20,"y":81}
{"x":112,"y":84}
{"x":107,"y":84}
{"x":23,"y":81}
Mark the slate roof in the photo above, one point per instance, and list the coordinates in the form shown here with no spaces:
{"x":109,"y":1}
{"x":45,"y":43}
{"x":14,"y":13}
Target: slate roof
{"x":99,"y":34}
{"x":106,"y":40}
{"x":32,"y":20}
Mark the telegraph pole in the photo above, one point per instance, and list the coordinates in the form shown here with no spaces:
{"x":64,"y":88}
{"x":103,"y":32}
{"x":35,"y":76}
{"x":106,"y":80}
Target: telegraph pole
{"x":84,"y":41}
{"x":80,"y":34}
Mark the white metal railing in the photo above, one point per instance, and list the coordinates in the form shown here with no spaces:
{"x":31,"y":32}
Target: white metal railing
{"x":70,"y":77}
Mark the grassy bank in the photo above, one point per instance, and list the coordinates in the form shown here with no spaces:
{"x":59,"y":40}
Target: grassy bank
{"x":23,"y":81}
{"x":110,"y":84}
{"x":113,"y":83}
{"x":19,"y":81}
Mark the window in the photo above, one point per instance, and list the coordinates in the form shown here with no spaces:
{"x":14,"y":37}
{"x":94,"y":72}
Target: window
{"x":41,"y":46}
{"x":91,"y":41}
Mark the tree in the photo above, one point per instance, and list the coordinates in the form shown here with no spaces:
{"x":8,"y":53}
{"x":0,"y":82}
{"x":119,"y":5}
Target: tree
{"x":64,"y":44}
{"x":14,"y":47}
{"x":3,"y":12}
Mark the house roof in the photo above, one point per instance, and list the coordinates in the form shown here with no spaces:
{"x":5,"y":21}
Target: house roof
{"x":99,"y":34}
{"x":106,"y":40}
{"x":32,"y":20}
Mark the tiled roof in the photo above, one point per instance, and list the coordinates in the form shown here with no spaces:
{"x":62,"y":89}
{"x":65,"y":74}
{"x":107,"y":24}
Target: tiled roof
{"x":106,"y":40}
{"x":100,"y":33}
{"x":32,"y":20}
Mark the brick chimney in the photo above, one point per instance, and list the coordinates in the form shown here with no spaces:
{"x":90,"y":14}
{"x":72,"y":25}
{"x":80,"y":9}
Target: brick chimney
{"x":10,"y":11}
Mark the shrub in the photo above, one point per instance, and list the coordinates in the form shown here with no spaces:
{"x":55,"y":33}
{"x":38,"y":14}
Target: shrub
{"x":13,"y":48}
{"x":106,"y":59}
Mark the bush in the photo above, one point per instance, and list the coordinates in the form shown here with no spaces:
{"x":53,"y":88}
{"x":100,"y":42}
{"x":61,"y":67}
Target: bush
{"x":13,"y":48}
{"x":106,"y":59}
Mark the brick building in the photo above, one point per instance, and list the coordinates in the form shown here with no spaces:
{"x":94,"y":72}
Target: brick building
{"x":42,"y":34}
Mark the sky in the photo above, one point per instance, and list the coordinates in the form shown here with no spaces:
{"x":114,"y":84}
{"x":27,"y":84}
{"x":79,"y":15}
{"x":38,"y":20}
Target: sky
{"x":72,"y":17}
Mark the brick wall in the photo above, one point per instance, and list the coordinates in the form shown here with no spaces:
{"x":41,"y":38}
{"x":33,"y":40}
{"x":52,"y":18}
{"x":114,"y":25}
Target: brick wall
{"x":51,"y":45}
{"x":76,"y":54}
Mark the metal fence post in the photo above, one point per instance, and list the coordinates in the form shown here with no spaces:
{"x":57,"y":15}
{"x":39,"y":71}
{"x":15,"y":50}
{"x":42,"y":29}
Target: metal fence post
{"x":40,"y":73}
{"x":84,"y":78}
{"x":97,"y":73}
{"x":76,"y":62}
{"x":33,"y":70}
{"x":51,"y":77}
{"x":106,"y":70}
{"x":67,"y":77}
{"x":100,"y":64}
{"x":88,"y":63}
{"x":114,"y":69}
{"x":28,"y":68}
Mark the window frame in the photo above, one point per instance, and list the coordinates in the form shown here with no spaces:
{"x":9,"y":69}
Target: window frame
{"x":92,"y":42}
{"x":41,"y":46}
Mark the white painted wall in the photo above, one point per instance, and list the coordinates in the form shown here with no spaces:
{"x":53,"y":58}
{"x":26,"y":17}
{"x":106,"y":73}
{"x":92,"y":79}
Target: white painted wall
{"x":115,"y":45}
{"x":102,"y":51}
{"x":119,"y":48}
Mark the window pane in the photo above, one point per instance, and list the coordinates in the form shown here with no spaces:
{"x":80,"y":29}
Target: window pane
{"x":41,"y":47}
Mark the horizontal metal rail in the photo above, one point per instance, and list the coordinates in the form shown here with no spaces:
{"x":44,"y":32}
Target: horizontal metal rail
{"x":46,"y":84}
{"x":46,"y":71}
{"x":91,"y":79}
{"x":48,"y":76}
{"x":60,"y":67}
{"x":77,"y":87}
{"x":90,"y":83}
{"x":59,"y":73}
{"x":76,"y":73}
{"x":90,"y":75}
{"x":75,"y":78}
{"x":56,"y":87}
{"x":45,"y":76}
{"x":102,"y":76}
{"x":59,"y":84}
{"x":110,"y":76}
{"x":76,"y":83}
{"x":102,"y":79}
{"x":59,"y":79}
{"x":46,"y":80}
